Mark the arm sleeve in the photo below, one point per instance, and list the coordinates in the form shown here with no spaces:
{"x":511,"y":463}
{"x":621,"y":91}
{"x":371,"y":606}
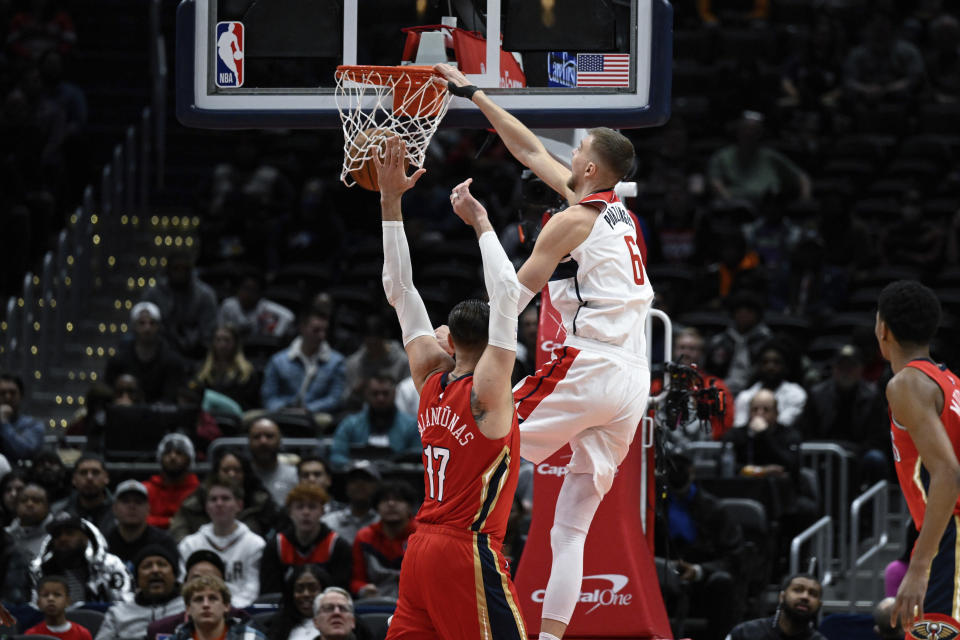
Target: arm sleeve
{"x":23,"y":443}
{"x":270,"y":389}
{"x":503,"y":290}
{"x":398,"y":284}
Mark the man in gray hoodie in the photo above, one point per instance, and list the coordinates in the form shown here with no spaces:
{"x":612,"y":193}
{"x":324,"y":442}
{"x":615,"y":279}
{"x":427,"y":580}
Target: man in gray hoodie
{"x":157,"y":596}
{"x":28,"y":529}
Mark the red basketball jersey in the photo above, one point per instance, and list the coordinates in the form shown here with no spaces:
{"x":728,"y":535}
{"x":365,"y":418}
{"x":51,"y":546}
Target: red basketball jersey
{"x":469,"y":480}
{"x":914,"y":478}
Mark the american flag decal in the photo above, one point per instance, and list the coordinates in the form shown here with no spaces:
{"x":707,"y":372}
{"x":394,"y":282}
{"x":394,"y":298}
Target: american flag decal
{"x":603,"y":69}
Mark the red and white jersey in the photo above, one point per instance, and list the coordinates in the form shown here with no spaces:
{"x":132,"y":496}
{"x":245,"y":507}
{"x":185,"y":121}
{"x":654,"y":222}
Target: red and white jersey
{"x":468,"y":479}
{"x":913,"y":476}
{"x":601,"y":290}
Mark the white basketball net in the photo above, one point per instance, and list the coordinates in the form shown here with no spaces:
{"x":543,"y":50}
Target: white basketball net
{"x":366,"y":101}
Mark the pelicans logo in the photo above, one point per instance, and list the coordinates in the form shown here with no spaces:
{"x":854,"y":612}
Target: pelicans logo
{"x":935,"y":627}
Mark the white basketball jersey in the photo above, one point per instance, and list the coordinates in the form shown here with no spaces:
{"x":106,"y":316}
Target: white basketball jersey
{"x":601,"y":289}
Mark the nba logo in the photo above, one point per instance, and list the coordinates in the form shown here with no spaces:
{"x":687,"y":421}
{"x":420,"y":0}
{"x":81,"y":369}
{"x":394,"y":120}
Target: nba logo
{"x":229,"y":54}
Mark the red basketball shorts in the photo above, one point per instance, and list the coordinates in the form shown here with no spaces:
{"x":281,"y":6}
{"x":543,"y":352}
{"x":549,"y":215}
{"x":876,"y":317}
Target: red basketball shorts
{"x":455,"y":585}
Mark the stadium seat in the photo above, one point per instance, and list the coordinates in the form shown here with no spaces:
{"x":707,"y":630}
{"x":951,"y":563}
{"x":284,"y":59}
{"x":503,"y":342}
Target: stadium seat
{"x":760,"y":540}
{"x":376,"y":623}
{"x":268,"y":598}
{"x":847,"y":626}
{"x":86,"y":618}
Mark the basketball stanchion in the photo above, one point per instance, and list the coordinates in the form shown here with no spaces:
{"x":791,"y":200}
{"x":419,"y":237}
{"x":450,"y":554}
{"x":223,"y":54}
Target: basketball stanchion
{"x":376,"y":103}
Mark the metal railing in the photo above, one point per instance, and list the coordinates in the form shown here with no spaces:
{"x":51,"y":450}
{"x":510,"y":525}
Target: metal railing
{"x":832,"y":465}
{"x":877,"y":497}
{"x":646,"y":424}
{"x":821,"y":532}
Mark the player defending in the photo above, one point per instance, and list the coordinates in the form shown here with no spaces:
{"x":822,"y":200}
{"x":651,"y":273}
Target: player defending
{"x":455,"y":582}
{"x":924,"y":399}
{"x":595,"y":393}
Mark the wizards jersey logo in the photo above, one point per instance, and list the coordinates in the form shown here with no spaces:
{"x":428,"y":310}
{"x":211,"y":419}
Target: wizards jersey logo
{"x":229,"y":54}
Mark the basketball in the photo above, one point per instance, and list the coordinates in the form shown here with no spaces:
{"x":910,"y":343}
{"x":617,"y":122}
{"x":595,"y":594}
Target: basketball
{"x":365,"y":174}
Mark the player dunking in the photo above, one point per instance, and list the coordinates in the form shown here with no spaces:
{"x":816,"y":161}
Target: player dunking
{"x":455,"y":582}
{"x":924,"y":399}
{"x":593,"y":395}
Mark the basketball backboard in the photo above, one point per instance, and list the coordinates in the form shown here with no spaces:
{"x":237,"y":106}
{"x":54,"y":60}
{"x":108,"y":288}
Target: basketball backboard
{"x":564,"y":63}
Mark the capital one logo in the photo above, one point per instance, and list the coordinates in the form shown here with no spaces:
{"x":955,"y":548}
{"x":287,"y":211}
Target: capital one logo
{"x":607,"y":594}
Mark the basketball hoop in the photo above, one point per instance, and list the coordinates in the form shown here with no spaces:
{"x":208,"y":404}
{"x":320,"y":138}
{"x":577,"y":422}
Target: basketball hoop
{"x":407,"y":101}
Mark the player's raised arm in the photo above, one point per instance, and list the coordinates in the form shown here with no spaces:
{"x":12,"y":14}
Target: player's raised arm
{"x":522,"y":143}
{"x":425,"y":355}
{"x":913,"y":399}
{"x":492,"y":398}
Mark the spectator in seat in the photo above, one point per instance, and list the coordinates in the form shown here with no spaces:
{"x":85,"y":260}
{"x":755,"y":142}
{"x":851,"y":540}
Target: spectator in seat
{"x":333,"y":615}
{"x":708,"y":548}
{"x":378,"y":548}
{"x":264,"y":442}
{"x":306,"y":541}
{"x":207,"y":600}
{"x":308,"y":375}
{"x":750,"y":170}
{"x":168,"y":489}
{"x":21,"y":435}
{"x":53,"y":598}
{"x":943,"y":59}
{"x":732,"y":352}
{"x":884,"y":67}
{"x":78,"y":551}
{"x":90,"y":499}
{"x":811,"y":79}
{"x":15,"y":569}
{"x":40,"y":26}
{"x":312,"y":469}
{"x":259,"y":512}
{"x":51,"y":474}
{"x":157,"y":596}
{"x":187,"y":306}
{"x":378,"y":424}
{"x":766,"y":447}
{"x":28,"y":531}
{"x":10,"y":487}
{"x":361,"y":484}
{"x":200,"y":563}
{"x":158,"y":369}
{"x":798,"y":605}
{"x":408,"y":399}
{"x":772,"y":370}
{"x":227,"y":371}
{"x":377,"y":354}
{"x":132,"y":533}
{"x":849,"y":410}
{"x":294,"y":620}
{"x":254,"y":315}
{"x":240,"y":548}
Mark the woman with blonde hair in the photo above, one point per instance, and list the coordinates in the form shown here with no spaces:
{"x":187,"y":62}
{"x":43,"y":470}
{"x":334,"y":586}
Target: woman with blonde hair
{"x":227,"y":371}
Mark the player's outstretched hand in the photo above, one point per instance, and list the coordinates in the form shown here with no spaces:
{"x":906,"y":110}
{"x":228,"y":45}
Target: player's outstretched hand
{"x":466,"y":206}
{"x":452,"y":74}
{"x":391,"y":171}
{"x":909,"y":603}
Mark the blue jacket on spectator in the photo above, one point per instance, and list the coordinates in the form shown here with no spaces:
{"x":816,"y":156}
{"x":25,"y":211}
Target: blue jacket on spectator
{"x":354,"y":430}
{"x":21,"y":438}
{"x":289,"y":369}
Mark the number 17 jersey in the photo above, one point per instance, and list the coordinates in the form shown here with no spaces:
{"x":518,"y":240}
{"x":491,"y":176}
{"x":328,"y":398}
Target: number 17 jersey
{"x":469,"y":480}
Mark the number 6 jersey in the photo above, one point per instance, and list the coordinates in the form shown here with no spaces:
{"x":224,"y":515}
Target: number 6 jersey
{"x":469,"y":480}
{"x":601,"y":290}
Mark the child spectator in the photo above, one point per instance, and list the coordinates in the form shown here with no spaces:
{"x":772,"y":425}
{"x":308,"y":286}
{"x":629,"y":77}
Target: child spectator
{"x":53,"y":598}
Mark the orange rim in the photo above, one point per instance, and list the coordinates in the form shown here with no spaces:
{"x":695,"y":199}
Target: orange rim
{"x":405,"y":81}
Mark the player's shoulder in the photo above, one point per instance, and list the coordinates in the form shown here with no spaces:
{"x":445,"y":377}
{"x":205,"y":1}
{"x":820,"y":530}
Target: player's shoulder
{"x":910,"y":383}
{"x":575,"y":216}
